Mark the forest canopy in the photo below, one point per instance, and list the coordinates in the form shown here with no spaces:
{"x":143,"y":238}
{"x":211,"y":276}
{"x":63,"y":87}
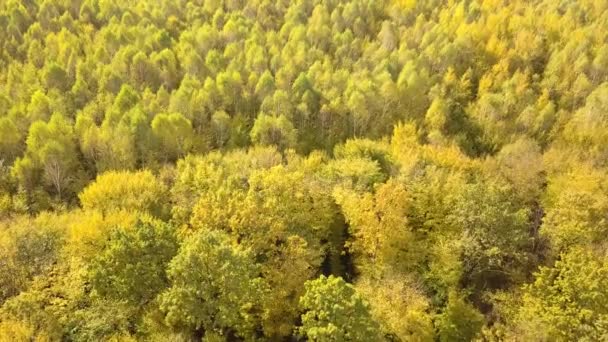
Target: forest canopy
{"x":308,"y":170}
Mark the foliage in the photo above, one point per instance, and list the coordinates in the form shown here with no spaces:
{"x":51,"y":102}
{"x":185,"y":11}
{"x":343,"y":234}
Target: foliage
{"x":215,"y":287}
{"x":334,"y":311}
{"x":131,"y":191}
{"x":567,"y":301}
{"x":459,"y":321}
{"x":233,"y":170}
{"x":132,"y":265}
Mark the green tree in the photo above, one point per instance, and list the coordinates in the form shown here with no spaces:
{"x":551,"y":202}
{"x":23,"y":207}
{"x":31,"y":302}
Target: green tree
{"x":567,"y":301}
{"x":12,"y":140}
{"x":495,"y":233}
{"x":132,"y":264}
{"x":334,"y":311}
{"x":29,"y":248}
{"x":273,"y":130}
{"x":221,"y":128}
{"x":459,"y":321}
{"x":52,"y":154}
{"x":39,"y":107}
{"x":175,"y":134}
{"x":56,"y":77}
{"x":215,"y":288}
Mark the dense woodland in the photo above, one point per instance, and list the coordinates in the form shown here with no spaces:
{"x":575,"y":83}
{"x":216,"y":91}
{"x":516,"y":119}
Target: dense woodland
{"x":321,"y":170}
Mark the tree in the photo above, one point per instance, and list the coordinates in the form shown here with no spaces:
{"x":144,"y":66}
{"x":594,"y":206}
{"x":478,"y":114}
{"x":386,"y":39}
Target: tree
{"x":215,"y":288}
{"x":494,"y":233}
{"x":399,"y":306}
{"x":114,"y":145}
{"x":56,"y":77}
{"x":51,"y":151}
{"x":143,"y":73}
{"x":39,"y":107}
{"x":29,"y":248}
{"x":334,"y":311}
{"x":11,"y":142}
{"x":567,"y":301}
{"x":126,"y":99}
{"x":287,"y":269}
{"x":265,"y":85}
{"x":123,"y":190}
{"x":381,"y":236}
{"x":359,"y":174}
{"x":273,"y":130}
{"x":286,"y":229}
{"x":132,"y":265}
{"x":587,"y":128}
{"x":221,"y":128}
{"x":366,"y":148}
{"x":521,"y":164}
{"x":575,"y":205}
{"x":459,"y":321}
{"x":175,"y":134}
